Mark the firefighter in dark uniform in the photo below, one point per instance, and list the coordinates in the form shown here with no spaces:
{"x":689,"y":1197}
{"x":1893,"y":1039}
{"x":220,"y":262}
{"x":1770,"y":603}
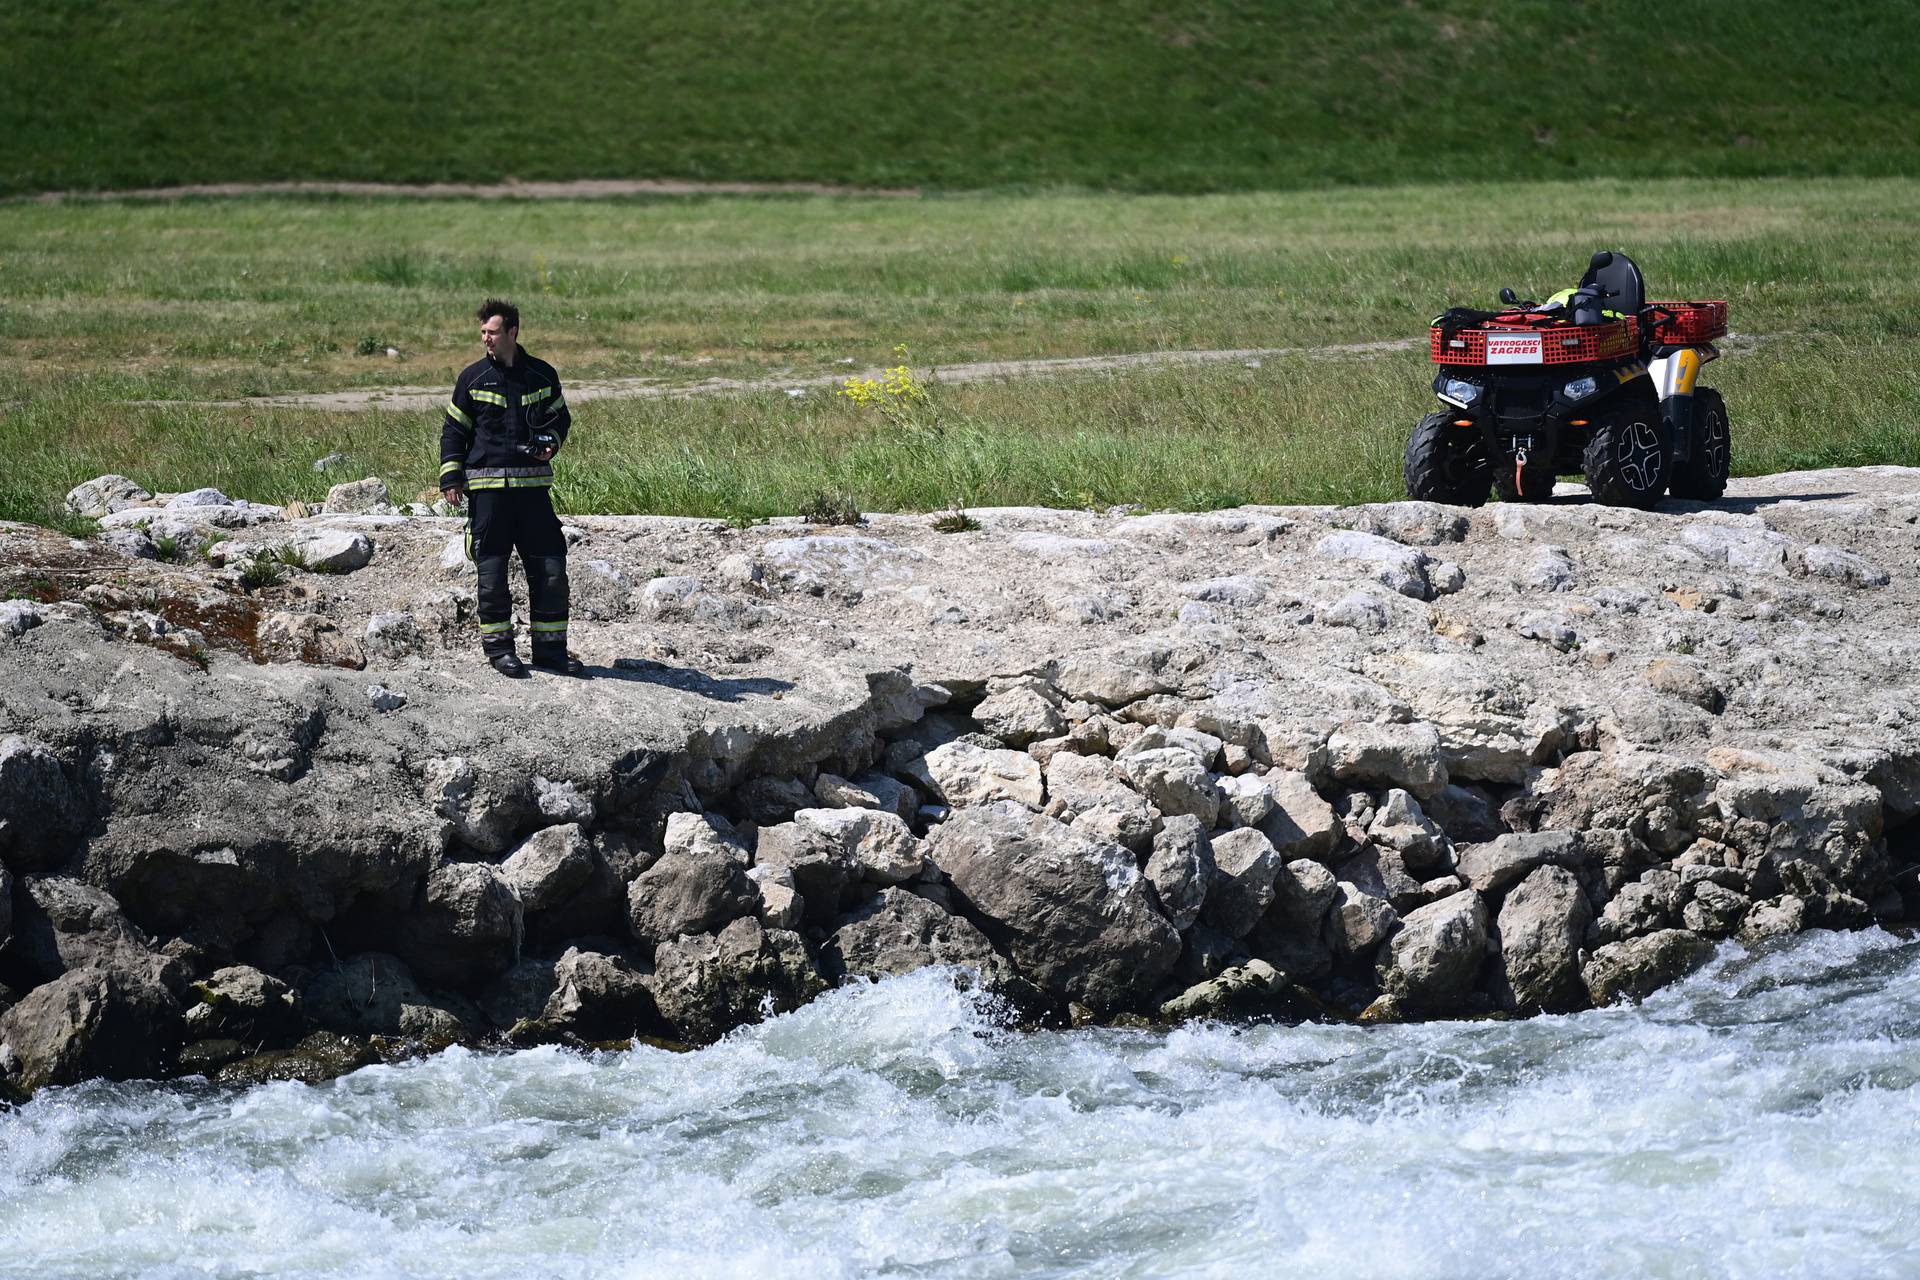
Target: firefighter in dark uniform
{"x":503,"y":425}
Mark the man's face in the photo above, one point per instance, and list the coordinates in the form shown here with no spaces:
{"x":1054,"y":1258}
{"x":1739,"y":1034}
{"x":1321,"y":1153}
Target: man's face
{"x":498,"y":338}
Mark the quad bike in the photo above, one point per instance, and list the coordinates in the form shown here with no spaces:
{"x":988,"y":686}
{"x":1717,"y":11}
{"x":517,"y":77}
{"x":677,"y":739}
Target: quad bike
{"x":1595,"y":381}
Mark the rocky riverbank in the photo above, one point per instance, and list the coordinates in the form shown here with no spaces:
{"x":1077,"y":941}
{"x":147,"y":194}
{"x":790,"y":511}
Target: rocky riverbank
{"x":264,"y":813}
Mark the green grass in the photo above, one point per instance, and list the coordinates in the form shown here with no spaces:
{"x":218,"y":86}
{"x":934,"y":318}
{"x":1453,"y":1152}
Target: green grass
{"x":110,"y":304}
{"x":1204,"y":95}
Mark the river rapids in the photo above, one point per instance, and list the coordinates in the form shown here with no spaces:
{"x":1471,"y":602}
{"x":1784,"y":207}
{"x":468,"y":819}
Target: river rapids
{"x":1760,"y":1119}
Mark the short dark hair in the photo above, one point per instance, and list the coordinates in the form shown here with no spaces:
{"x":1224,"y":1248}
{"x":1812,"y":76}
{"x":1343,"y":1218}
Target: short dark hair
{"x":499,"y":307}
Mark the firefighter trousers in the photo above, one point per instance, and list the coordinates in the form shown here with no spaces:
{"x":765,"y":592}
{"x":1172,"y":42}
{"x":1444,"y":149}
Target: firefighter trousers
{"x":500,"y":522}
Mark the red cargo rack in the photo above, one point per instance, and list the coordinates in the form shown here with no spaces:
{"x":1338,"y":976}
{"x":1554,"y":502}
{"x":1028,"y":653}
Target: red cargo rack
{"x":1688,"y":324}
{"x":1518,"y":343}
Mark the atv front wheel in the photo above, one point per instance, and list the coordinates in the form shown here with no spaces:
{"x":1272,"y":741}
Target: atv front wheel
{"x":1630,"y":457}
{"x":1446,"y":463}
{"x":1704,"y":475}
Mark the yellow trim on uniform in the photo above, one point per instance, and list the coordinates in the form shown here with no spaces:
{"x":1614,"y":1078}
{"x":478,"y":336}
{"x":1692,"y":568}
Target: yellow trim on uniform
{"x":550,"y":626}
{"x":558,"y":405}
{"x":450,"y":466}
{"x":535,"y":397}
{"x":458,"y":415}
{"x":489,"y":397}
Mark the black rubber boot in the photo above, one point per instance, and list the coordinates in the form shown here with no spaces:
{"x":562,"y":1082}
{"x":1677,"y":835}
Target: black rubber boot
{"x":562,"y":662}
{"x":495,"y":611}
{"x":509,"y":664}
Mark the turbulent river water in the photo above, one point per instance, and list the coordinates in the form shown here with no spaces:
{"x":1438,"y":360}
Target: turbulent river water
{"x":1761,"y":1119}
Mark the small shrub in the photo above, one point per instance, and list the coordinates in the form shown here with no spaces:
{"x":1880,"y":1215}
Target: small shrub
{"x":261,"y":570}
{"x":293,"y":557}
{"x":168,"y":548}
{"x":831,"y":509}
{"x":955,"y":521}
{"x":369,"y":347}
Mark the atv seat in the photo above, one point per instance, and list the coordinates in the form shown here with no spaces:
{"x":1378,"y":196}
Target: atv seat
{"x":1623,"y":289}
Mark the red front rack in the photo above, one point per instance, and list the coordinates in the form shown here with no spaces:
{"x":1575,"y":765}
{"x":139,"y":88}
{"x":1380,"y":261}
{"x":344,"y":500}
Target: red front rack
{"x":1518,"y":343}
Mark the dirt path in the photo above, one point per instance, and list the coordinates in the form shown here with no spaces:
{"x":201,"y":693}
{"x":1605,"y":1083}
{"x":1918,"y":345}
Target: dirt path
{"x":579,"y":189}
{"x":409,"y":398}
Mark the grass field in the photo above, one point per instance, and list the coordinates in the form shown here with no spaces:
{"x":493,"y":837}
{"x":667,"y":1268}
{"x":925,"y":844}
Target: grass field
{"x":106,"y":305}
{"x":1136,"y":95}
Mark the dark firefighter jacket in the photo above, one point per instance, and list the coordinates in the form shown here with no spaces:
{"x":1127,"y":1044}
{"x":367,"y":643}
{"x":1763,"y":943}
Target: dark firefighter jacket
{"x":495,"y":412}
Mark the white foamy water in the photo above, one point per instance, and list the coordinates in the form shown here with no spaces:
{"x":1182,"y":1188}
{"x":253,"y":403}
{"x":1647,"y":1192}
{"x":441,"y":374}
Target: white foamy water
{"x":1759,"y":1120}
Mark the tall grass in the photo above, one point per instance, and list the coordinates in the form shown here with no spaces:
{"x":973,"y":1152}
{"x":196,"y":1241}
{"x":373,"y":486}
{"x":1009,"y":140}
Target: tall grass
{"x":1140,"y":95}
{"x":107,"y":306}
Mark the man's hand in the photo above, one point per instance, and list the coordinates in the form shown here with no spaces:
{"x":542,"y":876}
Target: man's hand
{"x":545,"y":454}
{"x":454,"y":497}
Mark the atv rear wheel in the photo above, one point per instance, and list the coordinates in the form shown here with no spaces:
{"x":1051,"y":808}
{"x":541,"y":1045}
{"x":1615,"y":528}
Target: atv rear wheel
{"x":1630,"y":457}
{"x":1445,"y":463}
{"x":1704,"y":475}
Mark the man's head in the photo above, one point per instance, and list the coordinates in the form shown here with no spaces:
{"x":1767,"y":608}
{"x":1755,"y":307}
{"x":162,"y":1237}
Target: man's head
{"x":499,"y":328}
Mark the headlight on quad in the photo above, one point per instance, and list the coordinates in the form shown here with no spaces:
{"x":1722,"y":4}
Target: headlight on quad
{"x":1461,"y":393}
{"x":1579,"y":388}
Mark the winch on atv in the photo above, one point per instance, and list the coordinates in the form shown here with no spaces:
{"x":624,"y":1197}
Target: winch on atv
{"x":1595,"y":381}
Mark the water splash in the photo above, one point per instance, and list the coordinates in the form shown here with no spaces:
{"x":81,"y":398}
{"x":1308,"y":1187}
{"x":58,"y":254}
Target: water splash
{"x":1757,"y":1120}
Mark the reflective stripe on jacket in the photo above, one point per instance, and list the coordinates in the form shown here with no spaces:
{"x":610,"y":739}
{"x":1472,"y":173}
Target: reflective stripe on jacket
{"x":490,"y":419}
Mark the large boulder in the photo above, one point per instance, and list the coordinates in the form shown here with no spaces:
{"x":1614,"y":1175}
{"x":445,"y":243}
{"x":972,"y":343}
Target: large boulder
{"x":1302,"y":824}
{"x":65,"y":924}
{"x":965,"y":773}
{"x":1637,"y":967}
{"x":897,"y":932}
{"x":695,"y":887}
{"x":1358,"y":922}
{"x":868,"y":791}
{"x":1381,"y":872}
{"x":1181,"y":869}
{"x":550,"y":866}
{"x":468,"y":927}
{"x":876,"y":846}
{"x":1248,"y":990}
{"x":1089,"y":795}
{"x":1651,"y":903}
{"x":828,"y":854}
{"x":1174,"y":781}
{"x":373,"y":994}
{"x":1398,"y":755}
{"x":116,"y":1023}
{"x":487,"y":810}
{"x":598,"y":997}
{"x":1074,"y":913}
{"x":331,"y":550}
{"x":104,"y":495}
{"x":1244,"y":866}
{"x":1499,"y":864}
{"x":1293,"y":935}
{"x":1017,"y":712}
{"x":356,"y":496}
{"x":242,"y":1003}
{"x":43,"y":815}
{"x":707,"y":984}
{"x":1430,"y":964}
{"x":1402,"y":825}
{"x":599,"y":907}
{"x":1541,"y":927}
